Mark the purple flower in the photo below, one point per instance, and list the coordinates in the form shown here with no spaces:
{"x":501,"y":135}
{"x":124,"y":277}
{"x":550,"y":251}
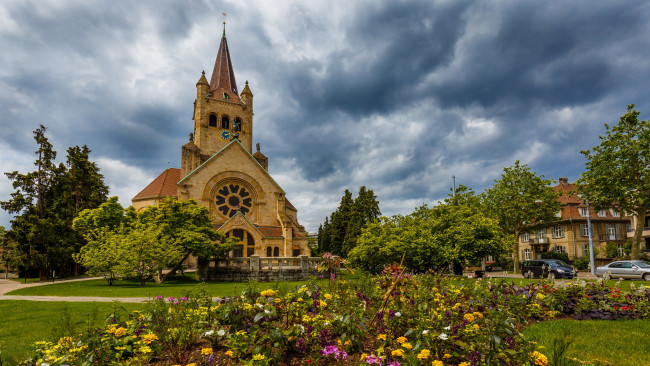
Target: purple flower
{"x":332,"y":277}
{"x":171,"y":299}
{"x":373,"y":360}
{"x":159,"y":297}
{"x":394,"y":363}
{"x":328,"y":350}
{"x":183,"y":298}
{"x":211,"y":359}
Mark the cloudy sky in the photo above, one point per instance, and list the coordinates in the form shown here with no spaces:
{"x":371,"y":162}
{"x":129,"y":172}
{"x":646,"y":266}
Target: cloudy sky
{"x":398,"y":96}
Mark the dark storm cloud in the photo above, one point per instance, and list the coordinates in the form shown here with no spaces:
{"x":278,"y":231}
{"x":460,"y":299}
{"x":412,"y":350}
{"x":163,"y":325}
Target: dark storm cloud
{"x":397,"y":96}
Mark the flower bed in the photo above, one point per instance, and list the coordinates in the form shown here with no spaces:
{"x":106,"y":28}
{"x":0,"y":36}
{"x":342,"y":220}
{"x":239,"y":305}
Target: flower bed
{"x":392,"y":319}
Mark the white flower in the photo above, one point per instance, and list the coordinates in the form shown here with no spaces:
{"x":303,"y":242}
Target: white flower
{"x":443,"y":336}
{"x":425,"y":332}
{"x":260,"y":306}
{"x":398,"y":314}
{"x":221,"y":333}
{"x":302,"y":329}
{"x":267,"y":312}
{"x":447,"y":327}
{"x":208,"y":333}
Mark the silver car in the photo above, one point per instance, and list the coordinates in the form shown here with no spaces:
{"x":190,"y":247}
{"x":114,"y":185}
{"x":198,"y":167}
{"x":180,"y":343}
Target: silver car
{"x":626,"y":269}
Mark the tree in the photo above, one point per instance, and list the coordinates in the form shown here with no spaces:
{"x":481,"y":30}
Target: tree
{"x":339,"y":235}
{"x":46,"y":201}
{"x":429,"y":238}
{"x":126,"y":244}
{"x":103,"y":229}
{"x":618,"y":171}
{"x":521,"y":201}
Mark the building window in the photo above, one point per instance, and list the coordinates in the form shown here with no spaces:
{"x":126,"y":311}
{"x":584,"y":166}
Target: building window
{"x":246,"y":245}
{"x":226,"y":96}
{"x":610,"y":230}
{"x":233,"y":198}
{"x":584,"y":229}
{"x":525,"y":237}
{"x":559,"y":213}
{"x":212,"y":120}
{"x":621,"y":251}
{"x":225,"y":123}
{"x":559,"y":249}
{"x":541,"y":236}
{"x":296,"y":251}
{"x":628,"y":227}
{"x":269,"y":251}
{"x":558,"y":231}
{"x":527,"y":254}
{"x":585,"y":250}
{"x":276,"y":251}
{"x":583,"y":212}
{"x":615,"y":213}
{"x":602,"y":213}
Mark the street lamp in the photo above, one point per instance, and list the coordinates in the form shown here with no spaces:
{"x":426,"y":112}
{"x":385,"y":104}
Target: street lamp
{"x":591,"y":242}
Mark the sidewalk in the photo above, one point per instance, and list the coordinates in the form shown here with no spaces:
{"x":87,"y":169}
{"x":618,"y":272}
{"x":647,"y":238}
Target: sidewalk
{"x":8,"y":286}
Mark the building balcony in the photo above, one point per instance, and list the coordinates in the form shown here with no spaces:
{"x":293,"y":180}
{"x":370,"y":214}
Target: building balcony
{"x":543,"y":241}
{"x":613,"y":237}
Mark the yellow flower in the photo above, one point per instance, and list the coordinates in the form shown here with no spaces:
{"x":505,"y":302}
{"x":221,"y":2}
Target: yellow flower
{"x":120,"y":331}
{"x":475,"y":326}
{"x":145,"y":349}
{"x":463,"y":364}
{"x":150,"y":337}
{"x":241,"y":332}
{"x":446,"y":356}
{"x":437,"y":363}
{"x":364,"y":356}
{"x":478,"y":315}
{"x":540,"y":359}
{"x":397,"y":353}
{"x":469,"y":317}
{"x":191,"y":364}
{"x":206,"y":351}
{"x":267,"y":293}
{"x":230,"y":354}
{"x":277,"y":300}
{"x":402,"y":339}
{"x":258,"y":357}
{"x":381,"y":337}
{"x":407,"y":345}
{"x":328,"y":296}
{"x":424,"y":354}
{"x":322,"y":303}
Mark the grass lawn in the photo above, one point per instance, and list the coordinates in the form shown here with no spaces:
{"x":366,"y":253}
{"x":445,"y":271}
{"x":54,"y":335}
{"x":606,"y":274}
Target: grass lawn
{"x":176,"y":286}
{"x":620,"y":342}
{"x":25,"y":322}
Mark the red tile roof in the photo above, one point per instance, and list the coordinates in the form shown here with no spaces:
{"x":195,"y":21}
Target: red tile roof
{"x":288,"y":204}
{"x":572,"y":204}
{"x":163,"y":186}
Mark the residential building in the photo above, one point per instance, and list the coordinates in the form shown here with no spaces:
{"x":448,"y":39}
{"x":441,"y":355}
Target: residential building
{"x":570,"y":234}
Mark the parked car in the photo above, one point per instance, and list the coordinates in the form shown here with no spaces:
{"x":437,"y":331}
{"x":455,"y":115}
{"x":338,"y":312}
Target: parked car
{"x":626,"y":269}
{"x":545,"y":267}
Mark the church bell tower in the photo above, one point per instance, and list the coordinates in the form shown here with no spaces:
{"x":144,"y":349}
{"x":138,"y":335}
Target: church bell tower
{"x":221,"y":114}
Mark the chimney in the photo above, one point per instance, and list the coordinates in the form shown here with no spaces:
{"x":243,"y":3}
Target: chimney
{"x":564,"y":181}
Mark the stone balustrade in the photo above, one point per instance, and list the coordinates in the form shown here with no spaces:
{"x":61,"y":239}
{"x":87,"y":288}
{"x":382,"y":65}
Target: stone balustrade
{"x":256,"y":268}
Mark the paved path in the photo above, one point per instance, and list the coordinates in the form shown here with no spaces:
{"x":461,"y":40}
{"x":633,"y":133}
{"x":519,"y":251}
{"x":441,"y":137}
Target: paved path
{"x":8,"y":286}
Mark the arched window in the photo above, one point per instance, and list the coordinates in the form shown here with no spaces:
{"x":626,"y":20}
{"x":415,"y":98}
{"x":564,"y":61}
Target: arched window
{"x":276,"y":251}
{"x":225,"y":123}
{"x":296,"y":250}
{"x":269,"y":251}
{"x":246,"y":244}
{"x":237,"y":124}
{"x":213,"y":120}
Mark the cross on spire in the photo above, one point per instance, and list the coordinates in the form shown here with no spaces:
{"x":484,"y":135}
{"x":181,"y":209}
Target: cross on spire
{"x":224,"y":24}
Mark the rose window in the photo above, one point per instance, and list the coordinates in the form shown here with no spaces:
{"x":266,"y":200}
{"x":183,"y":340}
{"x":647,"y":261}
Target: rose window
{"x":232,"y":199}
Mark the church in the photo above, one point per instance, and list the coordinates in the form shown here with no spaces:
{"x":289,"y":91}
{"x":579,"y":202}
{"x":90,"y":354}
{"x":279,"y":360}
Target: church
{"x":220,"y":171}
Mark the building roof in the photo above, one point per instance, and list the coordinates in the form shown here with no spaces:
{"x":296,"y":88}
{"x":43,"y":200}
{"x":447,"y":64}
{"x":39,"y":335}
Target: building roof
{"x":276,"y":232}
{"x":223,"y":76}
{"x":572,"y":205}
{"x":163,"y":186}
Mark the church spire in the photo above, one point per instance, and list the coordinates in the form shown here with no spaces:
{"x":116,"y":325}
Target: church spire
{"x":223,"y":84}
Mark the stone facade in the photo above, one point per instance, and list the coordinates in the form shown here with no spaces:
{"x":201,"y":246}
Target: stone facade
{"x":220,"y":171}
